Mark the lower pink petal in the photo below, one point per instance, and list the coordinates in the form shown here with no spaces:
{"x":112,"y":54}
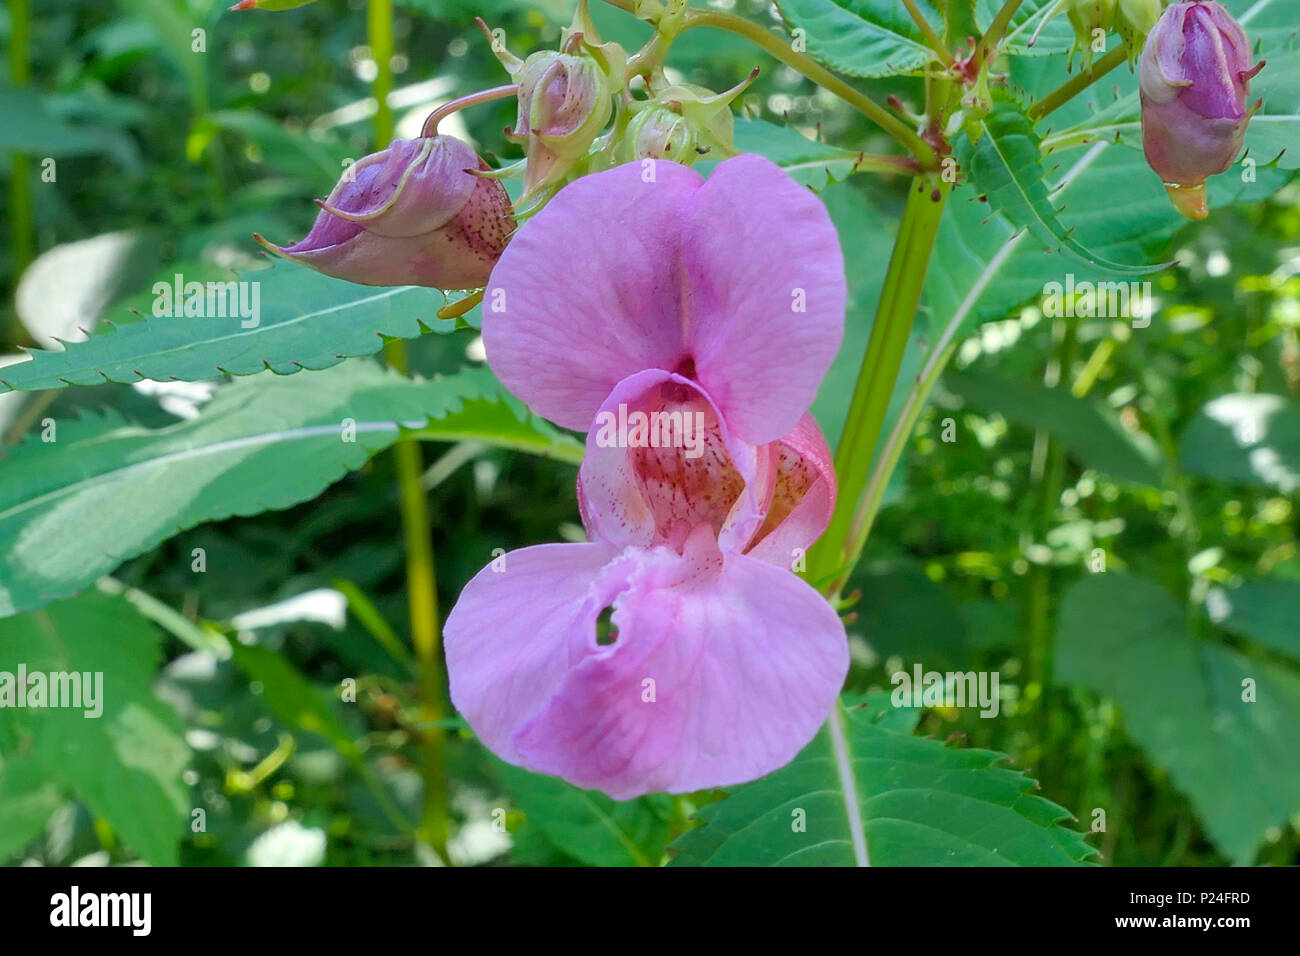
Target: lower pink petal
{"x":723,"y":669}
{"x":508,"y":637}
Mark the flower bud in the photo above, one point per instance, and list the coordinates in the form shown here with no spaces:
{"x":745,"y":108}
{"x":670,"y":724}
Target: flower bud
{"x":412,"y":214}
{"x":682,"y":122}
{"x":658,"y":132}
{"x":564,"y":103}
{"x":1195,"y":77}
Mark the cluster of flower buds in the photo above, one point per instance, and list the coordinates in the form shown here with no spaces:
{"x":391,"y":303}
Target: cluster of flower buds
{"x":429,"y":211}
{"x":680,"y":122}
{"x":1093,"y":19}
{"x":1195,"y":77}
{"x":415,"y":213}
{"x":565,"y":101}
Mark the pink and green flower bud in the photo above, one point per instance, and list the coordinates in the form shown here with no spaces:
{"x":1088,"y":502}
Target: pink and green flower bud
{"x":682,"y":122}
{"x":412,"y":214}
{"x":564,"y":104}
{"x":658,"y":132}
{"x":1195,"y":77}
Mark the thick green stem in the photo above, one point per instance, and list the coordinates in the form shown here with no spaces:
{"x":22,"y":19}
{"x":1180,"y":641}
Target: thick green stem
{"x":20,"y":179}
{"x":408,"y":461}
{"x":987,"y":46}
{"x":1049,"y":480}
{"x":379,"y":24}
{"x":834,"y":555}
{"x":931,"y":38}
{"x":779,"y":47}
{"x":1078,"y":83}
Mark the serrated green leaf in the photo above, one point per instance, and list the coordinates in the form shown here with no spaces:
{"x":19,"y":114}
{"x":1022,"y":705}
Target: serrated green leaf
{"x":105,"y":491}
{"x":916,"y":802}
{"x":125,"y":764}
{"x":1089,"y":431}
{"x":1184,"y":702}
{"x":1005,"y":164}
{"x":1056,"y":37}
{"x":861,"y":37}
{"x":807,"y":161}
{"x":588,"y":825}
{"x":1251,"y":439}
{"x":307,"y":321}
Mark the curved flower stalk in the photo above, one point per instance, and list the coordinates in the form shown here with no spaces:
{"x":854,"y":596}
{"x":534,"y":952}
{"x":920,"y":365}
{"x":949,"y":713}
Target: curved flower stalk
{"x":1195,"y":75}
{"x":690,"y":336}
{"x":412,"y":214}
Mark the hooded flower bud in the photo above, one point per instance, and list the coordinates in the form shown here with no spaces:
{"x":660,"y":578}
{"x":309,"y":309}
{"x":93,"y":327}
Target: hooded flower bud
{"x":413,"y":214}
{"x":1195,"y":76}
{"x":659,"y":132}
{"x":564,"y":103}
{"x":682,"y":122}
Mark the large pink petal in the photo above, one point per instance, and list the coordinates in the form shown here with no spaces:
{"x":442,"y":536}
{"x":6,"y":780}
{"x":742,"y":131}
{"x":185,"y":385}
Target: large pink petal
{"x":587,"y":293}
{"x":744,"y":661}
{"x":803,"y":498}
{"x":508,"y":637}
{"x":768,"y":291}
{"x":737,"y":282}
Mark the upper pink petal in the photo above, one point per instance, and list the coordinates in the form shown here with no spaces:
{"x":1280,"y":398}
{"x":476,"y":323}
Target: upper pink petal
{"x":737,"y":282}
{"x":587,"y":292}
{"x":507,"y":639}
{"x":723,"y":669}
{"x":766,"y":273}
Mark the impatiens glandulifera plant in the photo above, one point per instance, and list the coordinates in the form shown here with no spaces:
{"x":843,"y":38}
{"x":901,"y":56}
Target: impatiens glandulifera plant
{"x":696,"y":639}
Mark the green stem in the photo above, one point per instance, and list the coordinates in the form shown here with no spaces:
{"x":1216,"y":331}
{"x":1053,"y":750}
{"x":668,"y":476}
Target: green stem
{"x":927,"y":32}
{"x":1078,"y":83}
{"x":892,"y":452}
{"x":20,"y":180}
{"x":997,"y":29}
{"x":779,"y":48}
{"x":1050,"y":482}
{"x":379,"y":24}
{"x":421,"y":578}
{"x":834,"y":555}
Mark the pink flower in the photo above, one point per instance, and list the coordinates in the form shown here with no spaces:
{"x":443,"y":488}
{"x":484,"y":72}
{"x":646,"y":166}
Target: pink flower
{"x":412,"y":214}
{"x":716,"y":306}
